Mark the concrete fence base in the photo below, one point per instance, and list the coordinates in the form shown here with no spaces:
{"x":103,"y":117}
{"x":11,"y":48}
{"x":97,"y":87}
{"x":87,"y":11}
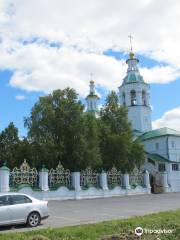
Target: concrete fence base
{"x":64,"y":193}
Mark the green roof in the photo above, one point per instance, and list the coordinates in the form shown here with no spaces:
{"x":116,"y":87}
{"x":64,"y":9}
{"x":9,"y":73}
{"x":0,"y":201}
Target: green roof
{"x":92,"y":96}
{"x":133,"y":77}
{"x":158,"y":158}
{"x":137,"y":132}
{"x":159,"y":133}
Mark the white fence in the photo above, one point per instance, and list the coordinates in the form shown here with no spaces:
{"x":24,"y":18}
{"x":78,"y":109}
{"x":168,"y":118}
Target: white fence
{"x":60,"y":183}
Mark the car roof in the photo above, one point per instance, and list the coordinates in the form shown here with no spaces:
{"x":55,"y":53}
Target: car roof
{"x":23,"y":194}
{"x":12,"y":193}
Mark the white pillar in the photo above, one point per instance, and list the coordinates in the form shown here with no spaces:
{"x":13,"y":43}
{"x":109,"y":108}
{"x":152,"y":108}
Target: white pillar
{"x":76,"y":181}
{"x":126,"y":181}
{"x":103,"y":180}
{"x":165,"y":181}
{"x":146,"y":181}
{"x":43,"y":179}
{"x":4,"y":179}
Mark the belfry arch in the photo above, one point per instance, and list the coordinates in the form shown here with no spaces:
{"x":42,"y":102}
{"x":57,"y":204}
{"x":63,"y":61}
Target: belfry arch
{"x":133,"y":97}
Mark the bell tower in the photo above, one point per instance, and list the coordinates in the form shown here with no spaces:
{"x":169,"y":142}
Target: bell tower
{"x":92,"y":100}
{"x":134,"y":93}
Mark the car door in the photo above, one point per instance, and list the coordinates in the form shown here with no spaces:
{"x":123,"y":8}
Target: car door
{"x":5,"y":210}
{"x":21,"y":206}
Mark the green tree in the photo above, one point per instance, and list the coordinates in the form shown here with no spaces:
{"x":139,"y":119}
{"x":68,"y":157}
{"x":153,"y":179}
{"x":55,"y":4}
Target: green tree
{"x":29,"y":151}
{"x":117,"y":146}
{"x":91,"y":133}
{"x":56,"y":129}
{"x":137,"y":155}
{"x":9,"y":144}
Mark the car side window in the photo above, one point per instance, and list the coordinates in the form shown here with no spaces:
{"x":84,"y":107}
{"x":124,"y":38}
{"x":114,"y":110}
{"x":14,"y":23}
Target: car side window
{"x":20,"y":199}
{"x":5,"y":200}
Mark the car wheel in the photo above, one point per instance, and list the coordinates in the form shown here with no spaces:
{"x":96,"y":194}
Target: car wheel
{"x":33,"y":219}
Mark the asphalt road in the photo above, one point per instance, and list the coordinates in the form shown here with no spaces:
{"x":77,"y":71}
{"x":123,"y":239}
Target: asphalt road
{"x":71,"y":212}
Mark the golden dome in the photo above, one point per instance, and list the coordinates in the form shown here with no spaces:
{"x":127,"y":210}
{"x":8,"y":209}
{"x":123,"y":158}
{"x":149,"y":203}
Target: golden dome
{"x":131,"y":55}
{"x":92,"y":82}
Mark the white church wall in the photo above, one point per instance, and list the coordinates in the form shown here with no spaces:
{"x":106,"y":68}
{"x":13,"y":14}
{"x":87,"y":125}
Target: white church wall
{"x":157,"y":145}
{"x":174,"y":181}
{"x":140,"y":118}
{"x":168,"y":147}
{"x":174,"y":148}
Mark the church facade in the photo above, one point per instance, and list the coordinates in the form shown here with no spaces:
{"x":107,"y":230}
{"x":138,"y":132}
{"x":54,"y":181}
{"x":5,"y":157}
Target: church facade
{"x":162,"y":146}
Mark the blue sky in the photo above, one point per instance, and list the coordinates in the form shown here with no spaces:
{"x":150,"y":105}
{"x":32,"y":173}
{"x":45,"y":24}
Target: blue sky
{"x":11,"y":109}
{"x":46,"y":45}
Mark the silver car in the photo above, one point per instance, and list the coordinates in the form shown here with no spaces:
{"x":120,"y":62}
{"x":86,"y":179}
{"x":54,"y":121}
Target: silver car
{"x":16,"y":208}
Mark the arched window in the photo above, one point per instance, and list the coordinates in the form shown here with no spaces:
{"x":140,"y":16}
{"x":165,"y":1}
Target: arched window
{"x":124,"y":99}
{"x":144,"y":100}
{"x":133,"y":98}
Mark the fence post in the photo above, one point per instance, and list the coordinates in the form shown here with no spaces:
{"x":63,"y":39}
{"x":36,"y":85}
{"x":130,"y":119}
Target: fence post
{"x":126,"y":181}
{"x":165,"y":181}
{"x":103,"y":180}
{"x":76,"y":181}
{"x":4,"y":178}
{"x":43,"y":179}
{"x":146,"y":181}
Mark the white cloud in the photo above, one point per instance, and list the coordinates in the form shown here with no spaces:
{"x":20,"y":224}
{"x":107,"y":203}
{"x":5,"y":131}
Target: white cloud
{"x":41,"y":68}
{"x":160,"y":74}
{"x":99,"y":24}
{"x":169,"y":119}
{"x":84,"y":30}
{"x":20,"y":97}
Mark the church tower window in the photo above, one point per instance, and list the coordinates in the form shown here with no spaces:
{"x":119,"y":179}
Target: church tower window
{"x":144,"y":100}
{"x":133,"y":97}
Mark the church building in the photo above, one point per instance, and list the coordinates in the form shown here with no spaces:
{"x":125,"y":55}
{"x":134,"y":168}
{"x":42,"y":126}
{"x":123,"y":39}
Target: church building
{"x":162,"y":146}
